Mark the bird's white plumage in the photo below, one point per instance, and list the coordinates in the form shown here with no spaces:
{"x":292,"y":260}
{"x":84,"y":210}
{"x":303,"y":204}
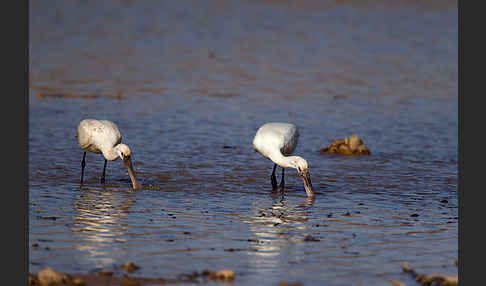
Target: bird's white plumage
{"x":98,"y":136}
{"x":276,"y":136}
{"x":277,"y":141}
{"x":103,"y":137}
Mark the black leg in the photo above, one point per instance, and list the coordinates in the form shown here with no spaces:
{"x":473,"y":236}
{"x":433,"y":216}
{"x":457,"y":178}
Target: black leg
{"x":104,"y":170}
{"x":83,"y":164}
{"x":282,"y":182}
{"x":274,"y":180}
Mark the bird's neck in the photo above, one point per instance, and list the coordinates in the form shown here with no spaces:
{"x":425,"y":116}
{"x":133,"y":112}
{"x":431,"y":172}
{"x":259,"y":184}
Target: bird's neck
{"x":283,"y":161}
{"x":110,"y":154}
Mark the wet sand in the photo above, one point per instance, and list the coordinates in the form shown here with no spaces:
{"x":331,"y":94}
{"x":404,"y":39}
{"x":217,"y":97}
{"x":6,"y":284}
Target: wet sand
{"x":49,"y":277}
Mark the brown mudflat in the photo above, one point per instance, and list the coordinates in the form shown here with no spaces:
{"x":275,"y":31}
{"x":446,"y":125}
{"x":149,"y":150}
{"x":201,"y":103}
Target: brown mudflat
{"x":118,"y":95}
{"x":49,"y":276}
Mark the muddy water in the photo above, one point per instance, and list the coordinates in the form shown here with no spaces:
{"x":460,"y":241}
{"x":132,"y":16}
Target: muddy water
{"x":198,"y":79}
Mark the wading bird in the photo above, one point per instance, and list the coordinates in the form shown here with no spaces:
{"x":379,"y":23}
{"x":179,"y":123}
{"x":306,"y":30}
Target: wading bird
{"x":277,"y":141}
{"x":103,"y":137}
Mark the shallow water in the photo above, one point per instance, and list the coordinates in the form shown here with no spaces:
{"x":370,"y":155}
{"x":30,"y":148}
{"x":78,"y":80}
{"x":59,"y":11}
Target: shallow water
{"x":198,"y":80}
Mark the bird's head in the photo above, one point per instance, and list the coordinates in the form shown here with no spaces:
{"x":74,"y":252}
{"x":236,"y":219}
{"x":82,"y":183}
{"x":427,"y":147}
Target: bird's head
{"x":123,"y":151}
{"x":303,"y":171}
{"x":125,"y":154}
{"x":301,"y":165}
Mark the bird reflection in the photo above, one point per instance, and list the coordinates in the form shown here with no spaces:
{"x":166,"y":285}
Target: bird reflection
{"x":98,"y":222}
{"x":277,"y":227}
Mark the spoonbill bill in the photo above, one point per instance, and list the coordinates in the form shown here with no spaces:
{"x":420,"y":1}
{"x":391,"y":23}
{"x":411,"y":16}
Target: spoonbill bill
{"x":103,"y":137}
{"x":277,"y":141}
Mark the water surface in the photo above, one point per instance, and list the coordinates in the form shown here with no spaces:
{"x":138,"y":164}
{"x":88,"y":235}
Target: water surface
{"x":198,"y":79}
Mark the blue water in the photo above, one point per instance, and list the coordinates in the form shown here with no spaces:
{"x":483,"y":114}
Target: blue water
{"x":197,"y":80}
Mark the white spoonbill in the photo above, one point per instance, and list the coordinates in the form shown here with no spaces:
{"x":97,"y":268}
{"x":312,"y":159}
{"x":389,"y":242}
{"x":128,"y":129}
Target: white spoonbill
{"x":103,"y":137}
{"x":276,"y":141}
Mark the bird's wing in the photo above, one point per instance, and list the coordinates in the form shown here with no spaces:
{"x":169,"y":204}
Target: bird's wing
{"x":96,"y":135}
{"x":109,"y":131}
{"x":276,"y":136}
{"x":112,"y":131}
{"x":84,"y":135}
{"x":290,"y":140}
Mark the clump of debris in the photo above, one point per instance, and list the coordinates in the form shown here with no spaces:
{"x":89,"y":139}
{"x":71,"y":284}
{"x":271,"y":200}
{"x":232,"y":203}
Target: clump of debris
{"x":348,"y":146}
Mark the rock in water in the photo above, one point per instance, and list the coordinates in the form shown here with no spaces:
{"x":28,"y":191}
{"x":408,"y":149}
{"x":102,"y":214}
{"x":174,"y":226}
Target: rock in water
{"x":130,"y":266}
{"x":49,"y":276}
{"x":225,"y":275}
{"x":354,"y":141}
{"x":347,"y":146}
